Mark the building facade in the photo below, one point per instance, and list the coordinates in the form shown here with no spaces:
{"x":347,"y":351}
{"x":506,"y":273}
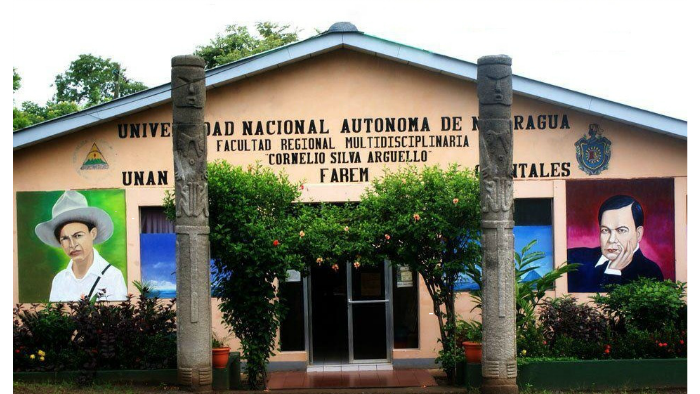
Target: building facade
{"x":333,"y":112}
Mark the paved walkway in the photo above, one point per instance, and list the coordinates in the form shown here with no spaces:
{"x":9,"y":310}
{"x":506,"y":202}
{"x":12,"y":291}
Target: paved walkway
{"x":350,"y":379}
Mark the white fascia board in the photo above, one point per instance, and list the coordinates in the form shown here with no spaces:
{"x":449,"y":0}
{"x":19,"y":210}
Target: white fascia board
{"x":90,"y":117}
{"x":524,"y":86}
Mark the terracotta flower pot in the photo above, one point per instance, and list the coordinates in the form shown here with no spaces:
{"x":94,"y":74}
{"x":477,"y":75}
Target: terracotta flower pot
{"x":472,"y":350}
{"x":219,"y":357}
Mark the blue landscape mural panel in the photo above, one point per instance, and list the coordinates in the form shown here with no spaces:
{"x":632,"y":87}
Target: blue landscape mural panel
{"x":523,"y":236}
{"x":158,"y":263}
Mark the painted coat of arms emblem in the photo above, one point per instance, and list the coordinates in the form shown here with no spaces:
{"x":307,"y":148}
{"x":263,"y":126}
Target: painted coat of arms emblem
{"x":593,"y":152}
{"x":94,"y":160}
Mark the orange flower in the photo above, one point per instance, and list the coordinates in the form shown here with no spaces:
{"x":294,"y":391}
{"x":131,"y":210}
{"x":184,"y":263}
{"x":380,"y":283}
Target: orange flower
{"x":356,"y":264}
{"x":416,"y":217}
{"x":455,"y":200}
{"x":387,"y":236}
{"x":335,"y":267}
{"x":319,"y":260}
{"x":275,"y":243}
{"x":346,"y":229}
{"x":301,"y":234}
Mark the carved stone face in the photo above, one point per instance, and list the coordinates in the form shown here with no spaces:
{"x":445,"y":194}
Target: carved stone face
{"x":188,"y":93}
{"x":494,"y":86}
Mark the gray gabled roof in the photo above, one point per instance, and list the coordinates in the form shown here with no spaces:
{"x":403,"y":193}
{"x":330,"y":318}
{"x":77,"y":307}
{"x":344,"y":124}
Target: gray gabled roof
{"x":358,"y":41}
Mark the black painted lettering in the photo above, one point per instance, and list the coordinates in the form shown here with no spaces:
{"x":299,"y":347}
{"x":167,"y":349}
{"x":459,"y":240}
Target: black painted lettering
{"x":565,"y":169}
{"x":530,"y":123}
{"x":135,"y":130}
{"x":518,"y":122}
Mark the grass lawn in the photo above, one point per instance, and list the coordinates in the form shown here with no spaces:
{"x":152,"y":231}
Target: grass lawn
{"x":70,"y":388}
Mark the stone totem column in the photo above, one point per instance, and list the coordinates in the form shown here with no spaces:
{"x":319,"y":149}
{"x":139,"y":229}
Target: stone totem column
{"x":191,"y":224}
{"x":495,"y":91}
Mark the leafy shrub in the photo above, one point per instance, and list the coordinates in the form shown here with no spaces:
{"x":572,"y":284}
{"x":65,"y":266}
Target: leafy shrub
{"x":528,"y":294}
{"x":564,"y":317}
{"x":531,"y":342}
{"x":468,"y":331}
{"x":44,"y":333}
{"x":645,"y":304}
{"x":255,"y":239}
{"x":88,"y":335}
{"x":634,"y":343}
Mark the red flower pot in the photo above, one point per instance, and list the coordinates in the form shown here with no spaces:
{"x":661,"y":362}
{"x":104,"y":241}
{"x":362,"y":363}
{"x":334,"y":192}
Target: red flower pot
{"x":219,"y":357}
{"x":472,"y":350}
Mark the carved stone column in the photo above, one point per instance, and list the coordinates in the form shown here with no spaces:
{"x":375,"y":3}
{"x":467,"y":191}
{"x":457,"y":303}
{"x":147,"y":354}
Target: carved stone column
{"x":191,"y":224}
{"x":495,"y":91}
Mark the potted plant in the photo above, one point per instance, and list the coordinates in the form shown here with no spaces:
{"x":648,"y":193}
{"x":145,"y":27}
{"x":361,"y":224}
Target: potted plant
{"x":469,"y":335}
{"x":219,"y":352}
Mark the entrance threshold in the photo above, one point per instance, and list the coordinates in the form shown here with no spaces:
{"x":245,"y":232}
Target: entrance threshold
{"x":350,"y":367}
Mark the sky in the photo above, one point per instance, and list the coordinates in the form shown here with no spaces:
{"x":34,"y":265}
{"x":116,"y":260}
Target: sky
{"x":625,"y":52}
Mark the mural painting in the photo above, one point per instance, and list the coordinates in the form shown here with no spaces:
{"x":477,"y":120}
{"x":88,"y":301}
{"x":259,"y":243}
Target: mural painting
{"x":71,"y":244}
{"x":158,"y":264}
{"x":533,"y":221}
{"x":619,"y":230}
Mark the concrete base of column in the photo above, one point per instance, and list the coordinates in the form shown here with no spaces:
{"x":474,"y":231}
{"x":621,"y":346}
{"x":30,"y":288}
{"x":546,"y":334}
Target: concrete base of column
{"x":195,"y":379}
{"x":499,"y":386}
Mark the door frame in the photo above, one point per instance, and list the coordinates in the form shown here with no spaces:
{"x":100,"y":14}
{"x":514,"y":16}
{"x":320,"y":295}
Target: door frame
{"x":388,"y":315}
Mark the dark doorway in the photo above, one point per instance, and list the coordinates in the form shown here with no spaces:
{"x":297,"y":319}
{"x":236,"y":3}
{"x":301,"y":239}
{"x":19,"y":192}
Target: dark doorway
{"x":329,"y":315}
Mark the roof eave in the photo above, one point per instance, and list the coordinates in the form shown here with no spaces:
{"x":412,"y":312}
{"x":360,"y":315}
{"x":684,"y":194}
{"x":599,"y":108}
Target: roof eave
{"x":323,"y":43}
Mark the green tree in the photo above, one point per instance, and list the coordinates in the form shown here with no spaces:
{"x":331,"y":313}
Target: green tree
{"x":92,"y":80}
{"x":33,"y":113}
{"x":254,"y":238}
{"x":237,"y":42}
{"x":429,"y":220}
{"x":16,"y":80}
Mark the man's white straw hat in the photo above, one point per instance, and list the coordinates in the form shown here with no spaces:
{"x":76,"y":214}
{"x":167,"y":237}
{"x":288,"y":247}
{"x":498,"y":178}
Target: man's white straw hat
{"x":73,"y":207}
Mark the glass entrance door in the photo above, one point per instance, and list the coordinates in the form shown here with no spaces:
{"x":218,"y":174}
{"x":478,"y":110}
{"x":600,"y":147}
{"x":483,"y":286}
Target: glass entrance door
{"x":369,"y":313}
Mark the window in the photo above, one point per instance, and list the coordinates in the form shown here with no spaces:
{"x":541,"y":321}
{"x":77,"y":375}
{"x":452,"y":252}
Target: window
{"x":157,"y":252}
{"x":291,"y":294}
{"x":533,"y":221}
{"x":405,"y":294}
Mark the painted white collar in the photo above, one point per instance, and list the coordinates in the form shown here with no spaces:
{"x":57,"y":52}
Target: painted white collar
{"x":98,"y":265}
{"x":609,"y":271}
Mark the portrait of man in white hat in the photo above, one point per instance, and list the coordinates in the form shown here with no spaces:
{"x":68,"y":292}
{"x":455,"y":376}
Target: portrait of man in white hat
{"x":76,"y":227}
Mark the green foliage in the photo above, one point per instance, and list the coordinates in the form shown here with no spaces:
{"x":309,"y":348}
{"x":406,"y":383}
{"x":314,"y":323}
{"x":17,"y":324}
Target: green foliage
{"x":468,"y":331}
{"x":88,"y":335}
{"x":92,"y":80}
{"x":217,"y":342}
{"x":428,"y":220}
{"x":332,"y":235}
{"x":254,"y":241}
{"x":645,"y":304}
{"x":531,"y":342}
{"x":16,"y":80}
{"x":32,"y":113}
{"x":563,"y":318}
{"x":666,"y":343}
{"x":528,"y":294}
{"x":237,"y":43}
